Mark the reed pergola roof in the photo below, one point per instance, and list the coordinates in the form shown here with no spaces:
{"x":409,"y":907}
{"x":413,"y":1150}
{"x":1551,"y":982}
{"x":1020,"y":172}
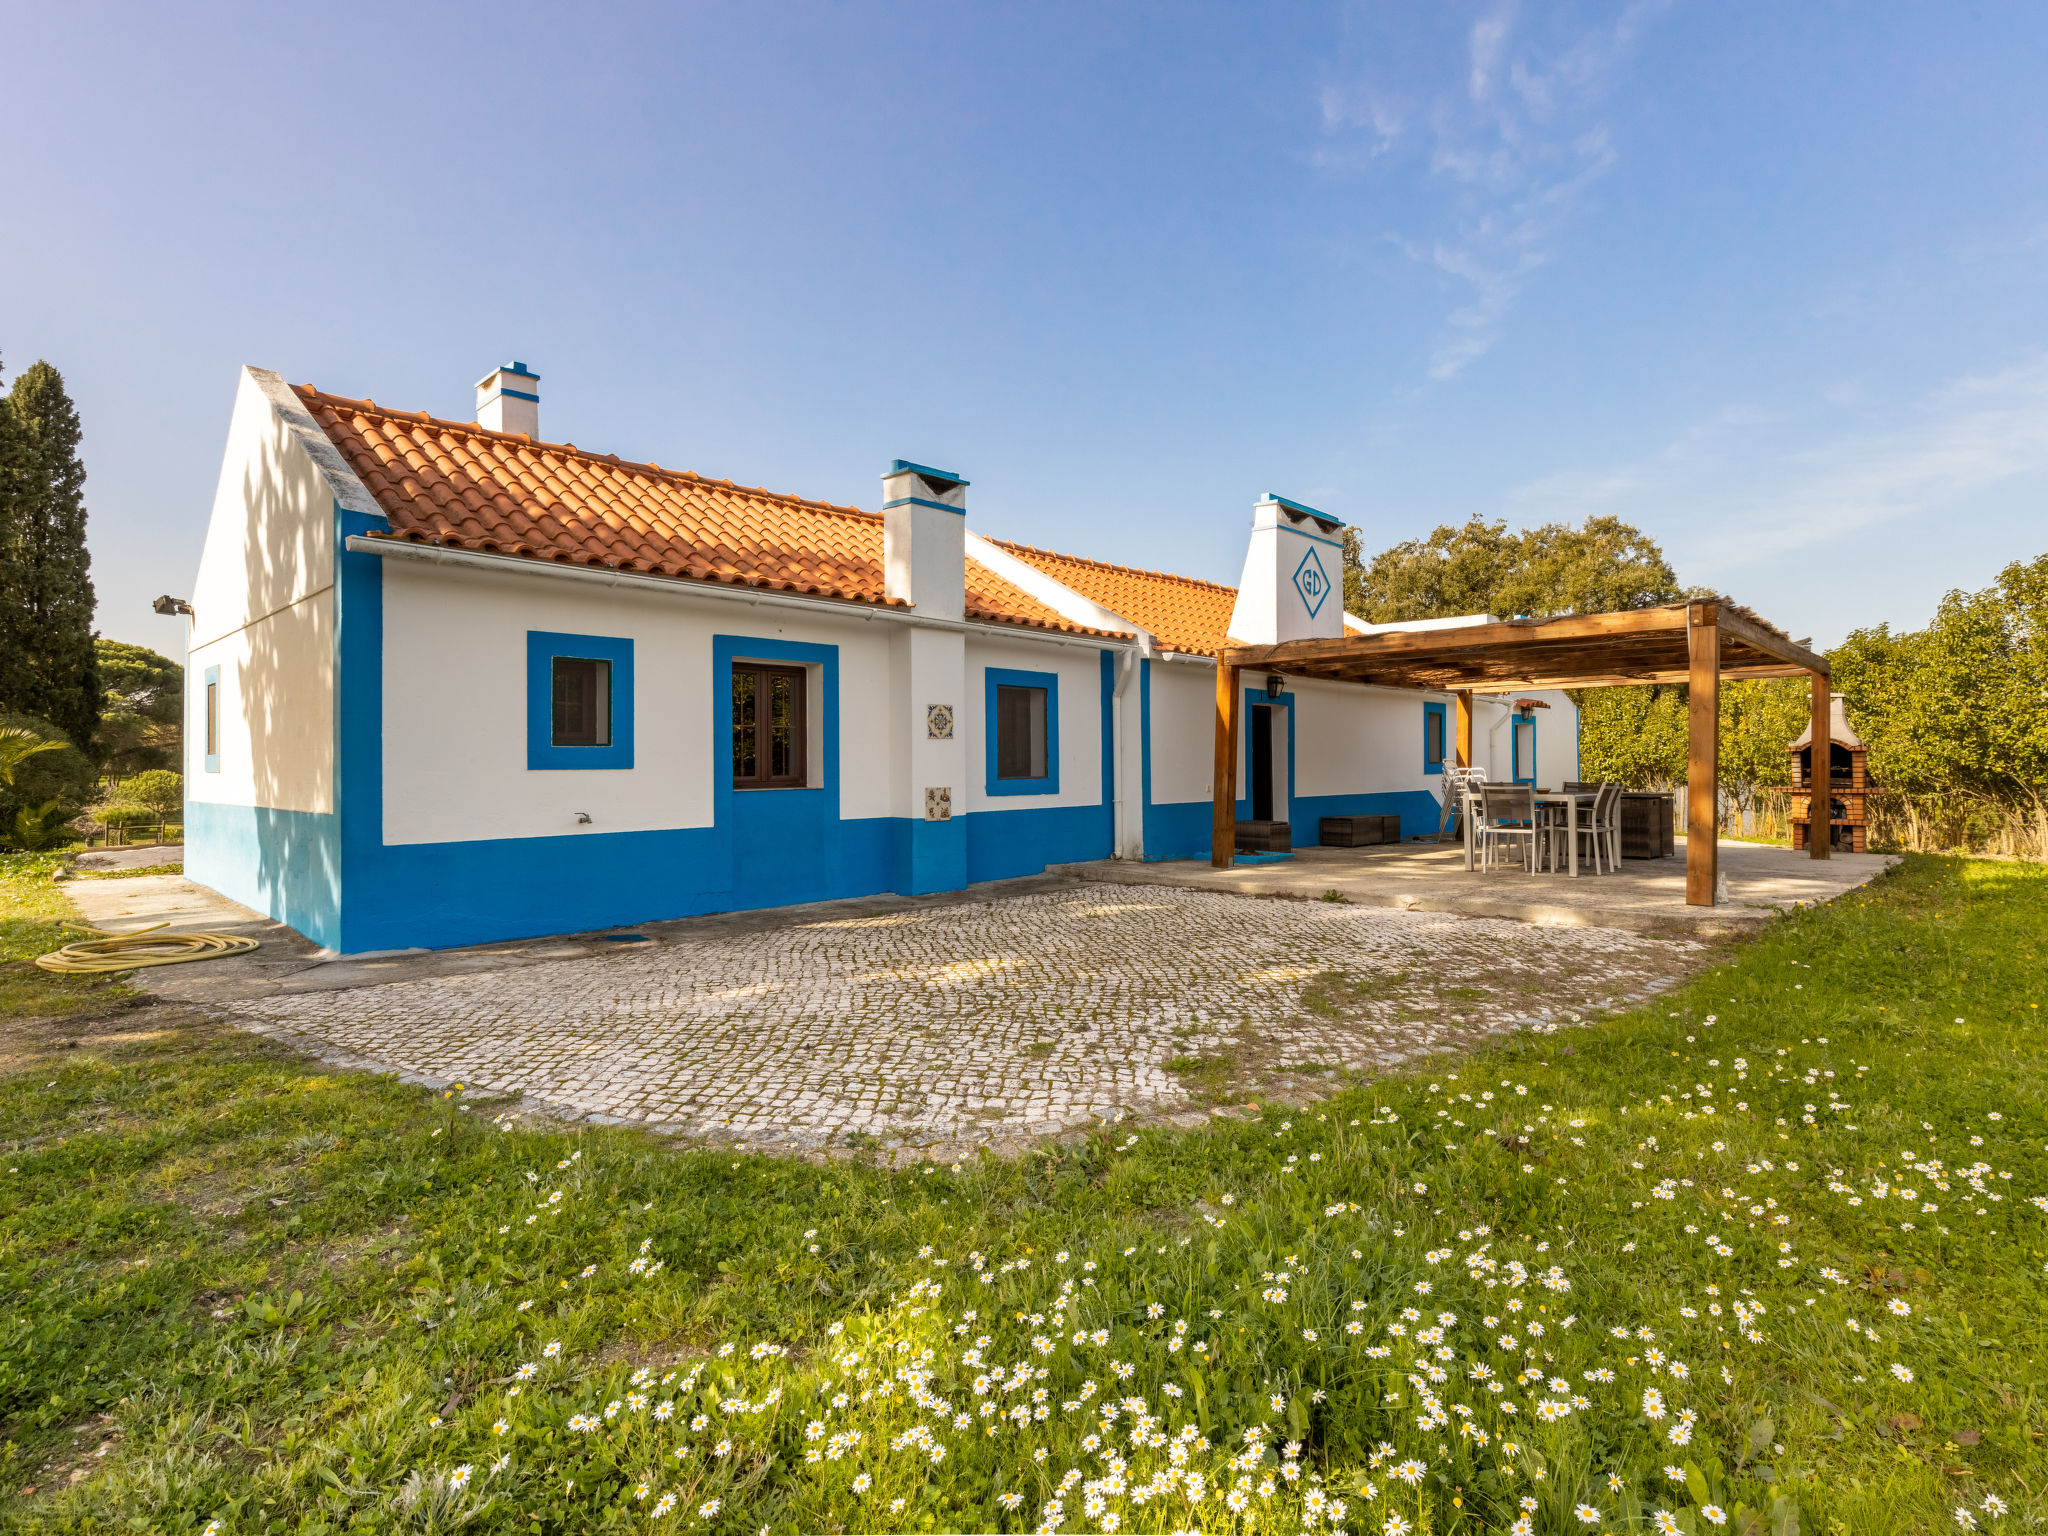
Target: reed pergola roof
{"x":1642,"y":645}
{"x":1697,"y":643}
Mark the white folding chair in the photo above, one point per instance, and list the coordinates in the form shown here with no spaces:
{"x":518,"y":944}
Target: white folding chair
{"x":1459,"y":784}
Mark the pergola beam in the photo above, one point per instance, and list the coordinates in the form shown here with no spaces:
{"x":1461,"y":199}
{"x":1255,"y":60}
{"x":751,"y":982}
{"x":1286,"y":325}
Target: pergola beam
{"x":1821,"y":798}
{"x":1796,"y":657}
{"x":1223,"y":818}
{"x":1450,"y":682}
{"x":1697,"y":643}
{"x":1703,"y":756}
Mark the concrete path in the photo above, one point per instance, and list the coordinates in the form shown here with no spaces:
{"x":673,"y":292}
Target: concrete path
{"x":144,"y":857}
{"x":1643,"y":896}
{"x":988,"y":1017}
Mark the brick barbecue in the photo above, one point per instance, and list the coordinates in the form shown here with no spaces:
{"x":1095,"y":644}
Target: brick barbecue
{"x":1847,"y":781}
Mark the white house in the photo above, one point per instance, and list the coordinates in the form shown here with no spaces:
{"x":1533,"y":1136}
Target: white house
{"x":451,"y":683}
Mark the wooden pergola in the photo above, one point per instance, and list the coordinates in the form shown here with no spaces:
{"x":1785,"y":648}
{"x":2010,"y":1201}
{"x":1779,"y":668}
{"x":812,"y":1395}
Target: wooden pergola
{"x":1696,"y":643}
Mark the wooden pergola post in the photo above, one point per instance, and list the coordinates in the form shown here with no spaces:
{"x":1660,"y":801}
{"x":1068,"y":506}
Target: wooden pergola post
{"x":1703,"y":752}
{"x":1820,"y":829}
{"x":1223,"y":823}
{"x":1464,"y":697}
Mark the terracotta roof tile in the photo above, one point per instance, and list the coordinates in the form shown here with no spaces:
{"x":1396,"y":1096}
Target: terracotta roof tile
{"x":463,"y":486}
{"x":1182,"y":613}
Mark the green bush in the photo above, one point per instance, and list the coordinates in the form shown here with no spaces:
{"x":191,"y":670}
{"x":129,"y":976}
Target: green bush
{"x":48,"y":787}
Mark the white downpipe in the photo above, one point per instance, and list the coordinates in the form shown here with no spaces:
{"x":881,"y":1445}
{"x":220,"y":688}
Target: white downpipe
{"x":1507,"y":713}
{"x":1126,"y":669}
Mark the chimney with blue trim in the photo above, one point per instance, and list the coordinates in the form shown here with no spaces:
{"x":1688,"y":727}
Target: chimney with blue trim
{"x":508,"y":400}
{"x":924,"y":538}
{"x":1293,"y":583}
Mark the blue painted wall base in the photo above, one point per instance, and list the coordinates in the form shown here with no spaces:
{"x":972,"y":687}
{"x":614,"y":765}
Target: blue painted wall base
{"x":284,"y":864}
{"x":1002,"y":845}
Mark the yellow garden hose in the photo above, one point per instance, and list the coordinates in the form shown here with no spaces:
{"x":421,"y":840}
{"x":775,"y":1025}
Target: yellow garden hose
{"x":130,"y":951}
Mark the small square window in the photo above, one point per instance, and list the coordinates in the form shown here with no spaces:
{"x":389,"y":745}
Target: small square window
{"x":579,"y":701}
{"x":582,"y":695}
{"x":1020,"y":732}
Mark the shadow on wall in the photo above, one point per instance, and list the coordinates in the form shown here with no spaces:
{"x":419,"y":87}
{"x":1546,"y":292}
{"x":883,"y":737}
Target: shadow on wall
{"x":281,"y":854}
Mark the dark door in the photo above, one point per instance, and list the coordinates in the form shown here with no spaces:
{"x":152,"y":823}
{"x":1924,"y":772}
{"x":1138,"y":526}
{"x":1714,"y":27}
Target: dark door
{"x":1262,"y":762}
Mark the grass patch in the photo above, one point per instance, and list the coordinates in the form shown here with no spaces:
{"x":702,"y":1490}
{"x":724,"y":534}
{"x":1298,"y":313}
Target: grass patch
{"x":35,"y":919}
{"x":1212,"y":1077}
{"x":128,"y":874}
{"x":513,"y":1326}
{"x":1334,"y":994}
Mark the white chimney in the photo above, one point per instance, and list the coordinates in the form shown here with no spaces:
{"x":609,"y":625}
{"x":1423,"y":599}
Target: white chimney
{"x":924,"y":538}
{"x":508,"y":400}
{"x":1293,"y":583}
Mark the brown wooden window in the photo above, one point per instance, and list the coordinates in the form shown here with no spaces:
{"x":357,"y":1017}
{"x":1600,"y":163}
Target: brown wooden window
{"x":212,"y":718}
{"x":582,"y":702}
{"x":1020,"y":732}
{"x":767,"y":727}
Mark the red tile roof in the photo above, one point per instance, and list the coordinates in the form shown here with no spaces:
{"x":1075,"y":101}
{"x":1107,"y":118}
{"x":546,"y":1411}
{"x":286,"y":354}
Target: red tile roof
{"x":1182,"y":613}
{"x":462,"y":486}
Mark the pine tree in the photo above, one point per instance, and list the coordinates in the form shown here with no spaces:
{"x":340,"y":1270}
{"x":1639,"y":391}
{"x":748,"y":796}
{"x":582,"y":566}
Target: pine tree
{"x":47,"y":664}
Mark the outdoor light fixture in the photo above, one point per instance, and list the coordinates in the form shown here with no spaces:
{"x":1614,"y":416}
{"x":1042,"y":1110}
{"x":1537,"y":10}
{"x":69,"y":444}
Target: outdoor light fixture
{"x":1275,"y":685}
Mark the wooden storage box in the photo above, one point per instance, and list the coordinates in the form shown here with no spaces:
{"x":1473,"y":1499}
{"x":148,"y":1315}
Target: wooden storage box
{"x":1359,"y":831}
{"x":1264,"y":837}
{"x":1647,"y":828}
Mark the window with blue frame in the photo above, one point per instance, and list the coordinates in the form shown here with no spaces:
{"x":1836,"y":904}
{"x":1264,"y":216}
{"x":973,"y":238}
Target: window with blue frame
{"x":579,"y":701}
{"x":1022,"y":712}
{"x":1523,"y":736}
{"x":213,"y":719}
{"x":1433,"y":738}
{"x":768,"y":712}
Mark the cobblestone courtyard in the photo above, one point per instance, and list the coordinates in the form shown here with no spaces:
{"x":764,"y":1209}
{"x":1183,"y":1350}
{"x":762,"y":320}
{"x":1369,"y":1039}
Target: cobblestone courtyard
{"x":980,"y":1022}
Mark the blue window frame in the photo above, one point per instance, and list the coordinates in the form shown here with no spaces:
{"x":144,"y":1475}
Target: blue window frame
{"x":1021,"y":722}
{"x":1433,"y":738}
{"x":1523,"y":735}
{"x":594,"y":726}
{"x":212,"y":707}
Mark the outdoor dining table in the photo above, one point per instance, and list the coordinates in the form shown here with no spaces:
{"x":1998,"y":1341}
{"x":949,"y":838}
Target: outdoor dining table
{"x":1571,"y":803}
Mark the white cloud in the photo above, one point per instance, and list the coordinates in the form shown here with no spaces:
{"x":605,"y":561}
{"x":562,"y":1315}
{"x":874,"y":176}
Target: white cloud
{"x":1511,"y":164}
{"x":1489,"y":40}
{"x":1746,"y":490}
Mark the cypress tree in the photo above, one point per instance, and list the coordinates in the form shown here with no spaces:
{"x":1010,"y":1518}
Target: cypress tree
{"x":47,"y":663}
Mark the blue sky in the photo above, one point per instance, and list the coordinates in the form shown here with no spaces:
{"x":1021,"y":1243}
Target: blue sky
{"x":1764,"y":279}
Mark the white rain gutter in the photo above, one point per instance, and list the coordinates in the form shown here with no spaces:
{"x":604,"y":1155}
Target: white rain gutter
{"x":753,"y":597}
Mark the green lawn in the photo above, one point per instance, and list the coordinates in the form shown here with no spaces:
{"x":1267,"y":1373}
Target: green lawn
{"x":34,"y":919}
{"x":1766,"y":1256}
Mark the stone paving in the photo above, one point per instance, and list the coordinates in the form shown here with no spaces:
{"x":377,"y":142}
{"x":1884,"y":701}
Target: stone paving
{"x":978,"y":1022}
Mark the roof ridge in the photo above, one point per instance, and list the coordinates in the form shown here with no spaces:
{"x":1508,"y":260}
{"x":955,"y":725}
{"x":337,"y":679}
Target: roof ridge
{"x":1110,"y":565}
{"x":1075,"y":625}
{"x":310,"y":393}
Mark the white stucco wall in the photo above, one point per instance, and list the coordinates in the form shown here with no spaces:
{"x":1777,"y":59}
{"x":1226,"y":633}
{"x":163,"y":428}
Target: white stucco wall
{"x":1080,"y":718}
{"x":1557,"y":736}
{"x":263,"y":612}
{"x":1351,"y":740}
{"x":455,"y":702}
{"x":1347,"y":739}
{"x":1183,"y":731}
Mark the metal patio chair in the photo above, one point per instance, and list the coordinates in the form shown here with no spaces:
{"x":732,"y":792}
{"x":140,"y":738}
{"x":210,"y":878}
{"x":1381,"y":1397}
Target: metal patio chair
{"x":1507,"y":813}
